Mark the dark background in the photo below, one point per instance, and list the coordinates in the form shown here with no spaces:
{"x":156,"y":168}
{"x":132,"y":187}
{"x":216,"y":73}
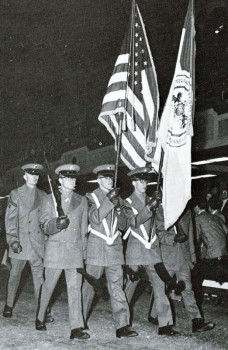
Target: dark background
{"x":57,"y":57}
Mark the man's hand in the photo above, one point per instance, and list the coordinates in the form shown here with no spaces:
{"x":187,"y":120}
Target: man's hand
{"x":133,"y":275}
{"x":62,"y":222}
{"x":113,"y":196}
{"x":16,"y":247}
{"x":155,"y":200}
{"x":180,"y":237}
{"x":177,"y":286}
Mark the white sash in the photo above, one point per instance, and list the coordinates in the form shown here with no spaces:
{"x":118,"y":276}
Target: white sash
{"x":110,"y":236}
{"x":144,"y":240}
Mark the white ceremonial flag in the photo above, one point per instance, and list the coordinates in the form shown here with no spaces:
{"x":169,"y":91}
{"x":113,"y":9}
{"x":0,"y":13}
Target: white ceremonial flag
{"x":175,"y":130}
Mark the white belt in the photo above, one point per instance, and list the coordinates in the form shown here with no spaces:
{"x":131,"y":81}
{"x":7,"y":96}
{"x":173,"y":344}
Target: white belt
{"x":140,"y":238}
{"x":109,"y":240}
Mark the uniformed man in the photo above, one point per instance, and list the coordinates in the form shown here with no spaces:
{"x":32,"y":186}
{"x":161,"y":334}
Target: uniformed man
{"x":178,"y":257}
{"x":65,"y":248}
{"x":143,"y":248}
{"x":105,"y":251}
{"x":224,"y":206}
{"x":211,"y":233}
{"x":23,"y":233}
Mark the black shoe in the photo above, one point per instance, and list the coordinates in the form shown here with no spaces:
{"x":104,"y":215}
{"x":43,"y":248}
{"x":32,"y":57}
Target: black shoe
{"x":78,"y":334}
{"x":125,"y":332}
{"x":40,"y":326}
{"x":167,"y":330}
{"x":8,"y":311}
{"x":153,"y":320}
{"x":199,"y":325}
{"x":49,"y":318}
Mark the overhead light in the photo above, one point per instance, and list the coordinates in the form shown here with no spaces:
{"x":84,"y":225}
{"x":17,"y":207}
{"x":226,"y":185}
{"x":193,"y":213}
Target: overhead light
{"x":219,"y":29}
{"x":202,"y":176}
{"x":215,"y":160}
{"x":193,"y":178}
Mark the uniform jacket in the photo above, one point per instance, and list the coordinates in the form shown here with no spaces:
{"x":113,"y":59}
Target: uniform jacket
{"x":225,"y":212}
{"x":174,"y":255}
{"x":98,"y":251}
{"x":210,"y":230}
{"x":137,"y":253}
{"x":65,"y":249}
{"x":22,"y":222}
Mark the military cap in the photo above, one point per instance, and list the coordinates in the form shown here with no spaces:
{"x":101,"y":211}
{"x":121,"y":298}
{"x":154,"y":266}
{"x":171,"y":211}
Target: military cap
{"x":34,"y":169}
{"x":67,"y":170}
{"x":104,"y":170}
{"x":140,"y":173}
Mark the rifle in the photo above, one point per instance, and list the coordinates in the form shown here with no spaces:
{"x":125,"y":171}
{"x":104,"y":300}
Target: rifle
{"x":98,"y":284}
{"x":56,"y":195}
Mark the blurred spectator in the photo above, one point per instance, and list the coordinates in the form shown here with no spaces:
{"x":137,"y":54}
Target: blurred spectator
{"x":211,"y":233}
{"x":215,"y":190}
{"x":208,"y":196}
{"x":214,"y":206}
{"x":3,"y":244}
{"x":224,"y":206}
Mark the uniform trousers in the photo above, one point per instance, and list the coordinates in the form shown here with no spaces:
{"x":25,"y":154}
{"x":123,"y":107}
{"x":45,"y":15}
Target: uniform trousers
{"x":184,"y":274}
{"x":161,"y":301}
{"x":212,"y":269}
{"x":114,"y":277}
{"x":17,"y":267}
{"x":73,"y":282}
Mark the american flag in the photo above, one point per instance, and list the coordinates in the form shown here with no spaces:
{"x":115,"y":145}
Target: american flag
{"x":132,"y":94}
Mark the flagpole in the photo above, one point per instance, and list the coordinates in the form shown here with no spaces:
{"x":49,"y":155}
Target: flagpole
{"x":118,"y":148}
{"x":121,"y":117}
{"x":157,"y":189}
{"x":160,"y":170}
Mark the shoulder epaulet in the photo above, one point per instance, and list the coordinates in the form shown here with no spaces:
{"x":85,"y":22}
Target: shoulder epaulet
{"x":10,"y":202}
{"x":89,"y":199}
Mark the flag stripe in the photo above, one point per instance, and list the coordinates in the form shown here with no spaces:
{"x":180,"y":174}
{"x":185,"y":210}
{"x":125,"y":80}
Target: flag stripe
{"x":122,"y":59}
{"x":133,"y":91}
{"x":118,"y":77}
{"x":147,"y":97}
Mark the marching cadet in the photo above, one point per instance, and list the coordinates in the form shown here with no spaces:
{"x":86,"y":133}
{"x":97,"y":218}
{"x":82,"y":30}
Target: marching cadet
{"x":65,"y":248}
{"x":104,"y":250}
{"x":23,"y":233}
{"x":178,"y":256}
{"x":143,"y":250}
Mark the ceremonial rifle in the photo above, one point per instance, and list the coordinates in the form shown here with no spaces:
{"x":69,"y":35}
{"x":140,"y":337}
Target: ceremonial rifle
{"x":98,"y":284}
{"x":56,"y":195}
